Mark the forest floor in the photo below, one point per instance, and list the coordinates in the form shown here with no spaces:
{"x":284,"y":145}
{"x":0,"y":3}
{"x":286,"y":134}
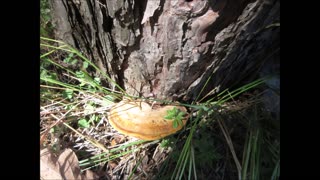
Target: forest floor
{"x":239,"y":138}
{"x":217,"y":142}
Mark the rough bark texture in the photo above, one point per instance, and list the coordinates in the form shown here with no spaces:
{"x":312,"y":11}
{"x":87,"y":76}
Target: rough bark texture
{"x":170,"y":48}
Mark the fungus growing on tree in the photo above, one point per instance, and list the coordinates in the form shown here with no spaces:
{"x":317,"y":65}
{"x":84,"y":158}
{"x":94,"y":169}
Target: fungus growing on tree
{"x":140,"y":120}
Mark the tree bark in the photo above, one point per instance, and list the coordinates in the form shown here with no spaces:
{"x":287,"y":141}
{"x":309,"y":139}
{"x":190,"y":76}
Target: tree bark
{"x":171,"y":48}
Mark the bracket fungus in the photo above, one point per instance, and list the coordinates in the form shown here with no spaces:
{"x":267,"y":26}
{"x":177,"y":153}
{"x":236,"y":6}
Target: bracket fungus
{"x":138,"y":119}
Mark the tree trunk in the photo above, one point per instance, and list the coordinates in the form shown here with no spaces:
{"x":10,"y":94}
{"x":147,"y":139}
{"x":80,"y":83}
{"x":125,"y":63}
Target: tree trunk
{"x":170,"y":48}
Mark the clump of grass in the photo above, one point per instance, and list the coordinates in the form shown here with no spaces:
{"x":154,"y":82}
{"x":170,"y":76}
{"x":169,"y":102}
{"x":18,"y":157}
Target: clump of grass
{"x":187,"y":156}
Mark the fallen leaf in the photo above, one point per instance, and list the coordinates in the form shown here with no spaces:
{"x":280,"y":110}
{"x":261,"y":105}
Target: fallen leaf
{"x":48,"y":168}
{"x":66,"y":166}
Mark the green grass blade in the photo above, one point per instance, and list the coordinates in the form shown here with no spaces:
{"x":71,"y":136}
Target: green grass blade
{"x":57,"y":48}
{"x":51,"y":40}
{"x":240,"y":90}
{"x":58,"y":65}
{"x":202,"y":89}
{"x":246,"y":158}
{"x":134,"y":168}
{"x":114,"y":150}
{"x":183,"y":158}
{"x":276,"y":171}
{"x":47,"y":54}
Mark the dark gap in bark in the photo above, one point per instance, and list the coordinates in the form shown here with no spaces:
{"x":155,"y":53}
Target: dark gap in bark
{"x":77,"y":14}
{"x":76,"y":44}
{"x":141,"y":8}
{"x":68,"y":9}
{"x":94,"y":17}
{"x":107,"y":23}
{"x":171,"y":60}
{"x":120,"y":73}
{"x":185,"y":27}
{"x":154,"y":19}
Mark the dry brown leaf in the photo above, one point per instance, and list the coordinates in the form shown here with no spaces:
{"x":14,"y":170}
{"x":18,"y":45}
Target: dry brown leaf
{"x":66,"y":166}
{"x":48,"y":168}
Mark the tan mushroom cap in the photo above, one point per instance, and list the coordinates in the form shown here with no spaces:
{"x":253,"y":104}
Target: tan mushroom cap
{"x":138,"y":119}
